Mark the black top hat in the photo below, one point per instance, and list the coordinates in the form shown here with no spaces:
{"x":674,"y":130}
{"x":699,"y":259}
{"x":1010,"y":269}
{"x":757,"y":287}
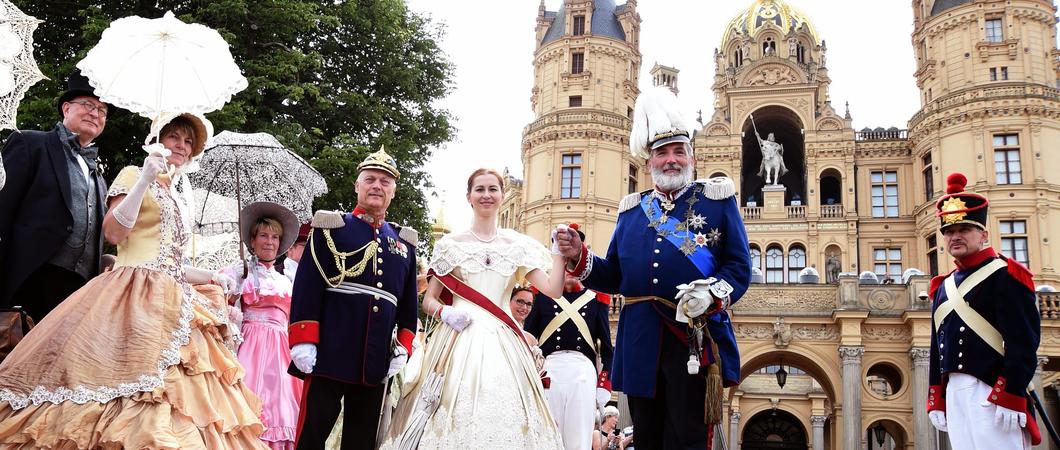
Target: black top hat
{"x":77,"y":85}
{"x":959,"y":206}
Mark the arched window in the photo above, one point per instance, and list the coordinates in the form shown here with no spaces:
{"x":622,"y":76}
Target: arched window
{"x":796,"y":262}
{"x":800,"y":53}
{"x":774,"y":265}
{"x":737,"y":57}
{"x":769,"y":47}
{"x":756,"y":257}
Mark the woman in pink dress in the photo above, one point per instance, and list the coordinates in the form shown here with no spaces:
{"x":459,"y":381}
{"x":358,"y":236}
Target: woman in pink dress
{"x":268,"y":230}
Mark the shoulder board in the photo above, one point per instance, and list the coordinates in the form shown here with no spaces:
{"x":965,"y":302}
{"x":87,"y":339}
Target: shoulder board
{"x":629,"y":201}
{"x":408,"y":234}
{"x":1020,"y":272}
{"x":327,"y":219}
{"x":718,"y":188}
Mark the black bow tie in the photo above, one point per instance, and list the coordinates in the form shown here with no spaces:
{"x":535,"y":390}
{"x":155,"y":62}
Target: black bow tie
{"x":90,"y":155}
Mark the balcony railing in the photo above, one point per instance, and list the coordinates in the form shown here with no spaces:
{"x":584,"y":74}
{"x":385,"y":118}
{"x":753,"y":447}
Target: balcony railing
{"x":880,"y":134}
{"x":579,"y":116}
{"x":832,"y":211}
{"x":1049,"y":305}
{"x":751,"y":212}
{"x":797,"y":212}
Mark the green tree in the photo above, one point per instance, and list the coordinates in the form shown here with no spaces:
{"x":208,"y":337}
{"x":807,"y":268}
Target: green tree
{"x":333,"y":81}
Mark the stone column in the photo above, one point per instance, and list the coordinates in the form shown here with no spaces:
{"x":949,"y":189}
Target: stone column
{"x":923,"y":432}
{"x":734,"y":429}
{"x":1046,"y":444}
{"x":851,"y":356}
{"x":818,"y":431}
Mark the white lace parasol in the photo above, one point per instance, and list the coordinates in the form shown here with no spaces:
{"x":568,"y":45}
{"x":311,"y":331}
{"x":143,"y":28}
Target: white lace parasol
{"x":18,"y":69}
{"x":256,"y":167}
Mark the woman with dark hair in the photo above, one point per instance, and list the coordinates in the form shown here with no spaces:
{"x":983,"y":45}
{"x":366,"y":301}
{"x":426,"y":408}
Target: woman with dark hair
{"x":268,"y":230}
{"x":136,"y":358}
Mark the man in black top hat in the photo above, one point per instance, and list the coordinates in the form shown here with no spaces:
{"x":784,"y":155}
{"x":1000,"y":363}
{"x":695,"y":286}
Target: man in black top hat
{"x":52,"y":205}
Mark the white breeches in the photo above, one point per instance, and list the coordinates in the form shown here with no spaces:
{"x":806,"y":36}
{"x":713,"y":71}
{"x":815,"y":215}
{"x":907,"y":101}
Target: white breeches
{"x":970,"y":418}
{"x":572,"y":397}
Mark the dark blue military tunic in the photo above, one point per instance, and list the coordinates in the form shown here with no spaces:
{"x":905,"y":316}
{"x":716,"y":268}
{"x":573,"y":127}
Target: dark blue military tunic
{"x":354,"y":331}
{"x":567,"y":336}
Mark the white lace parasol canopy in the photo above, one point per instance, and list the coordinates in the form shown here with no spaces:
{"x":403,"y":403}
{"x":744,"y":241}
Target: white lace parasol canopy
{"x":256,"y":167}
{"x":18,"y":69}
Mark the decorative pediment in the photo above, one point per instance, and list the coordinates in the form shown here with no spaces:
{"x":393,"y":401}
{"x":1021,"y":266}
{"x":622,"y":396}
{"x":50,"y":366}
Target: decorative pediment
{"x":772,"y":75}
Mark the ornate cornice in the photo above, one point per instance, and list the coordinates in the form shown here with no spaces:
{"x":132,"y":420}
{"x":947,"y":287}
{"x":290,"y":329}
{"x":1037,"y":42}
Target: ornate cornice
{"x":920,"y":355}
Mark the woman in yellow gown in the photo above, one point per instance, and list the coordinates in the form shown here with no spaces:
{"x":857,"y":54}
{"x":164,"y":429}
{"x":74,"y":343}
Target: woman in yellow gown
{"x":136,"y":358}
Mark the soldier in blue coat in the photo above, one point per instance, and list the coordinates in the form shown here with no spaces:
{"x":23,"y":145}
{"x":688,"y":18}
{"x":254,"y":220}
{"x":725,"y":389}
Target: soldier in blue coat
{"x":984,"y":335}
{"x":357,"y":283}
{"x":572,"y":331}
{"x":679,"y":255}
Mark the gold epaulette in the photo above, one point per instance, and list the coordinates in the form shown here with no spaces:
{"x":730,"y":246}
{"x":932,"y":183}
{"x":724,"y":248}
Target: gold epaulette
{"x":718,"y":188}
{"x":629,"y":201}
{"x":407,"y":234}
{"x":327,"y":219}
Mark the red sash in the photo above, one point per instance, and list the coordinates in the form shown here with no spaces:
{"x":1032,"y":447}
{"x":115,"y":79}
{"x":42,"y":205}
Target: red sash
{"x":455,"y":286}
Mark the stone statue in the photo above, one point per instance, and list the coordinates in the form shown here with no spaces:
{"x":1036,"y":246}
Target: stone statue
{"x":772,"y":167}
{"x":832,"y":267}
{"x":781,"y":333}
{"x":793,"y":47}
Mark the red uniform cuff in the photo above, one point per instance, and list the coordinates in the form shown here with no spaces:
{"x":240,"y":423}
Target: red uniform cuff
{"x":935,"y":400}
{"x":303,"y":332}
{"x":999,"y":397}
{"x":582,"y":262}
{"x":546,"y":381}
{"x":405,"y":337}
{"x":604,"y":381}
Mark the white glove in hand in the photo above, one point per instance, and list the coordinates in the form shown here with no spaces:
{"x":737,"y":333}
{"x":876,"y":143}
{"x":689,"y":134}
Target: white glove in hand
{"x":154,"y":164}
{"x":938,"y":419}
{"x":1009,"y":420}
{"x":304,"y":357}
{"x":227,"y":283}
{"x":555,"y":244}
{"x":602,"y":396}
{"x":693,"y":300}
{"x":401,"y":357}
{"x":455,"y":318}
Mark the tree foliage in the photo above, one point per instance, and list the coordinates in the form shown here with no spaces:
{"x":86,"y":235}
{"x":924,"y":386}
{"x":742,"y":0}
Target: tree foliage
{"x":332,"y":80}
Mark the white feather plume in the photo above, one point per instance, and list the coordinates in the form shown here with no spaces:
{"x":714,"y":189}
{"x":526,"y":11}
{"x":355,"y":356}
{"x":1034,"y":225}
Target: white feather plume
{"x":655,"y":112}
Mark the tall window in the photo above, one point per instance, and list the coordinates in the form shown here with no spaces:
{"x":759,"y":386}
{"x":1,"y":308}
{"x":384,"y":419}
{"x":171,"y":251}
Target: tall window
{"x":737,"y":57}
{"x":756,"y":257}
{"x":571,"y":182}
{"x":800,"y":53}
{"x":932,"y":255}
{"x":796,"y":262}
{"x":1007,"y":159}
{"x":1004,"y":73}
{"x":575,"y":101}
{"x":632,"y":178}
{"x":1014,"y":240}
{"x":884,"y":193}
{"x":929,"y":178}
{"x":887,"y":263}
{"x":994,"y":32}
{"x":993,"y":74}
{"x":577,"y":62}
{"x":774,"y":265}
{"x":579,"y":26}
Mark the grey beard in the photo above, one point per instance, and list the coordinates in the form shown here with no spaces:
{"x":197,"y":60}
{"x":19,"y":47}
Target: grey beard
{"x":671,"y":182}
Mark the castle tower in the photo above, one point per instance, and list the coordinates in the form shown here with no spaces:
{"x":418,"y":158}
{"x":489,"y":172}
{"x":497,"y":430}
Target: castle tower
{"x":665,"y":76}
{"x":987,"y":73}
{"x":586,"y":70}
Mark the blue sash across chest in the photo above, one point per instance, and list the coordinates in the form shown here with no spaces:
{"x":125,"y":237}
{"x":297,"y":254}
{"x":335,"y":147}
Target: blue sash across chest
{"x":678,"y":234}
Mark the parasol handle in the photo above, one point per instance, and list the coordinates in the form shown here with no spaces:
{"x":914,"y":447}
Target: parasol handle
{"x":239,"y":223}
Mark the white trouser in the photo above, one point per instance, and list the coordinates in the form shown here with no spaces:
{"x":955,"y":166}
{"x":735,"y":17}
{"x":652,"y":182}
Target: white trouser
{"x":970,"y":418}
{"x":572,"y":397}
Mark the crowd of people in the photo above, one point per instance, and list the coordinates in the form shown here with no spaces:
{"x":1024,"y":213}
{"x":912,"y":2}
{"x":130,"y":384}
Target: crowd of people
{"x":323,"y":317}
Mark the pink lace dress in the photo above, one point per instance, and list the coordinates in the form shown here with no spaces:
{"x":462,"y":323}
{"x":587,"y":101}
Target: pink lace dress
{"x":265,"y":354}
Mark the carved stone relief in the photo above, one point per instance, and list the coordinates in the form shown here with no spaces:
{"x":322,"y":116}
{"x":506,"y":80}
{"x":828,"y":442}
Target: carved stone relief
{"x":881,"y":299}
{"x":771,"y":76}
{"x":887,"y":333}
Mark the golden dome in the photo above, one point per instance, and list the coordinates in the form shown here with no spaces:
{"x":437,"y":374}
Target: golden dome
{"x":761,"y":12}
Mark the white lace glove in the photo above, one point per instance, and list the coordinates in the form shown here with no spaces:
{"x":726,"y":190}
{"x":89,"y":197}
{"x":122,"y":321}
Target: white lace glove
{"x":561,"y":228}
{"x":304,"y":357}
{"x":230,"y":285}
{"x":401,"y":357}
{"x":602,"y":397}
{"x":126,"y":212}
{"x":1009,"y":420}
{"x":938,"y":419}
{"x":455,"y":318}
{"x":693,"y":300}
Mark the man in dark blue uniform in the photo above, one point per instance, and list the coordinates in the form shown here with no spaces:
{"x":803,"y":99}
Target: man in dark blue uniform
{"x":985,"y":334}
{"x":572,"y":331}
{"x":679,"y":255}
{"x":358,"y":282}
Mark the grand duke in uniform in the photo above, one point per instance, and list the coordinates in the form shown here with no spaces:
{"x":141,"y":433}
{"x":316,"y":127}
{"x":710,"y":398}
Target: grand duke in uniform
{"x":985,"y":334}
{"x":682,"y":241}
{"x":357,"y":283}
{"x":573,"y":331}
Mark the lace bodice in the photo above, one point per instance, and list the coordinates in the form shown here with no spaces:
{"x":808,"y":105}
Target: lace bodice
{"x":505,"y":254}
{"x":264,"y":287}
{"x":157,"y":240}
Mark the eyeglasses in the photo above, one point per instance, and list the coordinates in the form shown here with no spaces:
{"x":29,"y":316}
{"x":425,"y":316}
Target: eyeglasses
{"x":101,"y":111}
{"x":524,"y":303}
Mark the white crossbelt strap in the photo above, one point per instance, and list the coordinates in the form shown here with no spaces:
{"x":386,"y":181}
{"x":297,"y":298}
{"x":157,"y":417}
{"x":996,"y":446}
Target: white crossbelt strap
{"x":347,"y":287}
{"x":955,"y":303}
{"x":569,"y":311}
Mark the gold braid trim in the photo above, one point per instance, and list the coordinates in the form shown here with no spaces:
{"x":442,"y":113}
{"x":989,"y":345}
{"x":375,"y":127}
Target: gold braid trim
{"x":369,"y":252}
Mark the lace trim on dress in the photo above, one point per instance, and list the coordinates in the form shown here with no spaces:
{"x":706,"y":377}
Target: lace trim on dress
{"x":168,"y":262}
{"x":505,"y":254}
